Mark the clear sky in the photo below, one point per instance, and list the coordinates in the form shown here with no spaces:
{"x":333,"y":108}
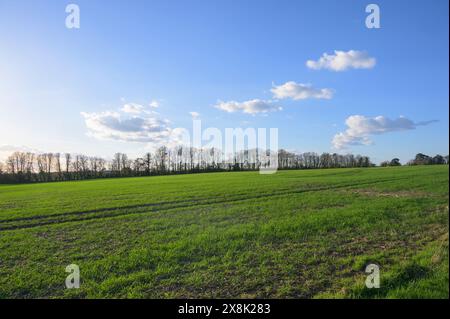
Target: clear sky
{"x":135,"y":66}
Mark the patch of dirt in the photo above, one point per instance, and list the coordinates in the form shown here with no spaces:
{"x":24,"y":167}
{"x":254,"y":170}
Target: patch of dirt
{"x":395,"y":194}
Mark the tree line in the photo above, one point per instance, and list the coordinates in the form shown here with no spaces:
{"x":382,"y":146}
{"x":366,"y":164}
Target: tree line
{"x":420,"y":159}
{"x":28,"y":167}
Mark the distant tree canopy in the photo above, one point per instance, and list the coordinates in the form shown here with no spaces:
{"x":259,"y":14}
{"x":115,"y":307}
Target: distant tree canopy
{"x":26,"y":167}
{"x":422,"y":159}
{"x":393,"y":162}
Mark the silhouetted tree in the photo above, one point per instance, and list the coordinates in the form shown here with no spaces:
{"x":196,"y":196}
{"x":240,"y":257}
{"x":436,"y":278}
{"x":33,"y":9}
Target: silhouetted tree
{"x":395,"y":162}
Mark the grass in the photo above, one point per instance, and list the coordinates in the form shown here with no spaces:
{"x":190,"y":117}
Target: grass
{"x":294,"y":234}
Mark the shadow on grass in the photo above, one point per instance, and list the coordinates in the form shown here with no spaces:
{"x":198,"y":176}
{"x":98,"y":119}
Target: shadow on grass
{"x":399,"y":279}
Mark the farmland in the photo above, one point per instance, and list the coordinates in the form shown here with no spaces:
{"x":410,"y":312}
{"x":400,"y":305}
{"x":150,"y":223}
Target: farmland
{"x":294,"y":234}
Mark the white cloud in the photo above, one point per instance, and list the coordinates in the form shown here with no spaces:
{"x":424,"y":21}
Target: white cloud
{"x":195,"y":115}
{"x":131,"y":124}
{"x":341,"y":61}
{"x":299,"y":91}
{"x":154,"y":103}
{"x":132,"y":108}
{"x":360,"y":128}
{"x":250,"y":107}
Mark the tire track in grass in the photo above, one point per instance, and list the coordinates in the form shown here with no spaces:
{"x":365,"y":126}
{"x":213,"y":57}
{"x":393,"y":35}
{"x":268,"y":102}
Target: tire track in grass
{"x":337,"y":186}
{"x":124,"y":210}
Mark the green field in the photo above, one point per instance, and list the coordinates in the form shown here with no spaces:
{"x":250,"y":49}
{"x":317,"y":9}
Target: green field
{"x":294,"y":234}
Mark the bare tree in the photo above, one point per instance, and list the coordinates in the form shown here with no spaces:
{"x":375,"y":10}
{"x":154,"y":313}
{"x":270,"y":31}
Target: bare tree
{"x":68,"y":158}
{"x":148,"y":163}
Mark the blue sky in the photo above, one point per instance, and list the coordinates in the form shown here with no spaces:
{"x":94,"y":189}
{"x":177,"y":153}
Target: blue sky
{"x":186,"y":56}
